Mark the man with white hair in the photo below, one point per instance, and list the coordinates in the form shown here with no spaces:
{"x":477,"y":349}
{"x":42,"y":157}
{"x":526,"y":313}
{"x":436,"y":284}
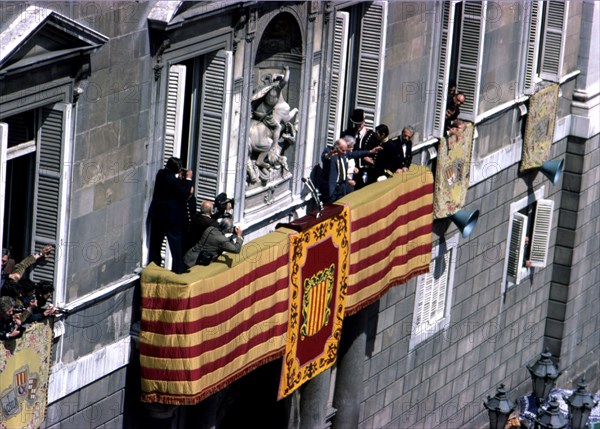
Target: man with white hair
{"x":335,"y":169}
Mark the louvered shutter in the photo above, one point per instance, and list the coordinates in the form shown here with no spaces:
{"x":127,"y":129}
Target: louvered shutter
{"x":173,"y":128}
{"x":214,"y":122}
{"x":3,"y":159}
{"x":433,"y":288}
{"x":49,"y":201}
{"x":441,"y":89}
{"x":338,"y":76}
{"x":370,"y":62}
{"x":469,"y":56}
{"x":533,"y":44}
{"x":426,"y":287}
{"x":174,"y":111}
{"x":541,"y":233}
{"x":440,"y":286}
{"x":518,"y":231}
{"x":554,"y":36}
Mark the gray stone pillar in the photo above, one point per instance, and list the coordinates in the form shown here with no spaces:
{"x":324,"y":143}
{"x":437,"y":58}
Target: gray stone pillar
{"x":313,"y":402}
{"x":349,"y":377}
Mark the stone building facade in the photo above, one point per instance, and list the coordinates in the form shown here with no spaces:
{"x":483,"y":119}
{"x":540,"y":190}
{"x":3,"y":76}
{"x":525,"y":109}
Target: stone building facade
{"x":94,"y":96}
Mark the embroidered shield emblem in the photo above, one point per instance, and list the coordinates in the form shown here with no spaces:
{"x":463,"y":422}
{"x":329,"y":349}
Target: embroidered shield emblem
{"x":316,"y":300}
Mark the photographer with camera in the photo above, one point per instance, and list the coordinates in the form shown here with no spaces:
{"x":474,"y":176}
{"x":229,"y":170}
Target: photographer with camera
{"x":10,"y":323}
{"x":213,"y":242}
{"x":172,"y":188}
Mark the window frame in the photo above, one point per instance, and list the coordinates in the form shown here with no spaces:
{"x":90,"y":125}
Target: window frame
{"x":516,"y":207}
{"x":417,"y":336}
{"x":63,"y":175}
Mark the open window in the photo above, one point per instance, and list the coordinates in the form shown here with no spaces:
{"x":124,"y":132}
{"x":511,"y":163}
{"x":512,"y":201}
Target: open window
{"x":36,"y":127}
{"x":357,"y":65}
{"x":529,"y":237}
{"x":460,"y":53}
{"x":197,"y":120}
{"x":33,"y":189}
{"x":545,"y":42}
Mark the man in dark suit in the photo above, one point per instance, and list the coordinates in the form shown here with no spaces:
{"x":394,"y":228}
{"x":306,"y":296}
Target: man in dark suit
{"x":396,"y":156}
{"x":365,"y":140}
{"x":167,"y":214}
{"x":335,"y":169}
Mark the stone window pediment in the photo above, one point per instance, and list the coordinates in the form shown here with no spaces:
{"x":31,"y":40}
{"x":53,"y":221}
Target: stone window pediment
{"x":40,"y":36}
{"x":168,"y":13}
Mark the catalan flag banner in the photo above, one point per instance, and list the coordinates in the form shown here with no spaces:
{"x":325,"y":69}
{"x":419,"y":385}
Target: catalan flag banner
{"x":202,"y":330}
{"x":453,"y":171}
{"x":25,"y":368}
{"x":285,"y":295}
{"x":539,"y":128}
{"x":319,"y":259}
{"x":390,"y":235}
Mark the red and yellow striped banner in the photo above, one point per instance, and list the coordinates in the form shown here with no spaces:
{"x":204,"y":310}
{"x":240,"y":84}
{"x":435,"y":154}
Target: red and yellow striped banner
{"x":390,"y":235}
{"x":202,"y":330}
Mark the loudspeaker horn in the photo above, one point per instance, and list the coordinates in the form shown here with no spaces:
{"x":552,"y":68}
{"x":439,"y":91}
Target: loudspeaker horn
{"x":553,"y":170}
{"x":465,"y":221}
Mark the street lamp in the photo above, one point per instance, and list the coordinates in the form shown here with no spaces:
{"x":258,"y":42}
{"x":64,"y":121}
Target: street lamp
{"x":543,"y":376}
{"x":499,"y":408}
{"x":551,"y":418}
{"x":580,"y":405}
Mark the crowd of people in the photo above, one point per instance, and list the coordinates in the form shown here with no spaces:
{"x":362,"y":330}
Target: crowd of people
{"x":361,"y":157}
{"x":358,"y":158}
{"x":23,"y":301}
{"x":195,"y":237}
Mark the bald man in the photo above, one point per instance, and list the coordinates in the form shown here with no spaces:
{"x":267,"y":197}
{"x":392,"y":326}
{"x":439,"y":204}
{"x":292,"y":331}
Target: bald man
{"x":335,"y":169}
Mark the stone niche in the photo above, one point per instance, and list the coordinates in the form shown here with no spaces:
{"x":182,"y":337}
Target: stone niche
{"x":273,"y":128}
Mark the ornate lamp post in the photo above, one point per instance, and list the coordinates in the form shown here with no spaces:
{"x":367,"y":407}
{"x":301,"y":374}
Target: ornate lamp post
{"x":543,"y":376}
{"x":499,"y":408}
{"x":580,"y":405}
{"x":551,"y":418}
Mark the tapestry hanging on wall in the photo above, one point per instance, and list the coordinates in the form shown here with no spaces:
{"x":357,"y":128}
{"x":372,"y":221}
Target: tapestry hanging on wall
{"x":539,"y":128}
{"x":25,"y":369}
{"x":453,"y":171}
{"x":319,"y":257}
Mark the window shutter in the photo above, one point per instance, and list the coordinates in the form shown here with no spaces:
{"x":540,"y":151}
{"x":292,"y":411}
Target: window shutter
{"x":541,"y":233}
{"x":554,"y":35}
{"x":432,"y":293}
{"x":469,"y":56}
{"x":426,"y":287}
{"x":174,"y":112}
{"x":441,"y":89}
{"x":3,"y":160}
{"x":48,"y":198}
{"x":214,"y":122}
{"x":518,"y":231}
{"x":440,"y":285}
{"x":338,"y":76}
{"x":533,"y":45}
{"x":370,"y":62}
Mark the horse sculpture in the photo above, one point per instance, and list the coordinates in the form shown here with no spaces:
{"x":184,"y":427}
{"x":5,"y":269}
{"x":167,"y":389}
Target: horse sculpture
{"x":271,"y":129}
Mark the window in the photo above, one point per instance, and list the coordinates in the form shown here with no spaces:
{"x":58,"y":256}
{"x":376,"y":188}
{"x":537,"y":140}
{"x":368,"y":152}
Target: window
{"x":434,"y":293}
{"x":461,"y":46}
{"x":197,"y":120}
{"x":33,"y":191}
{"x":546,"y":39}
{"x":357,"y":65}
{"x":528,"y":236}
